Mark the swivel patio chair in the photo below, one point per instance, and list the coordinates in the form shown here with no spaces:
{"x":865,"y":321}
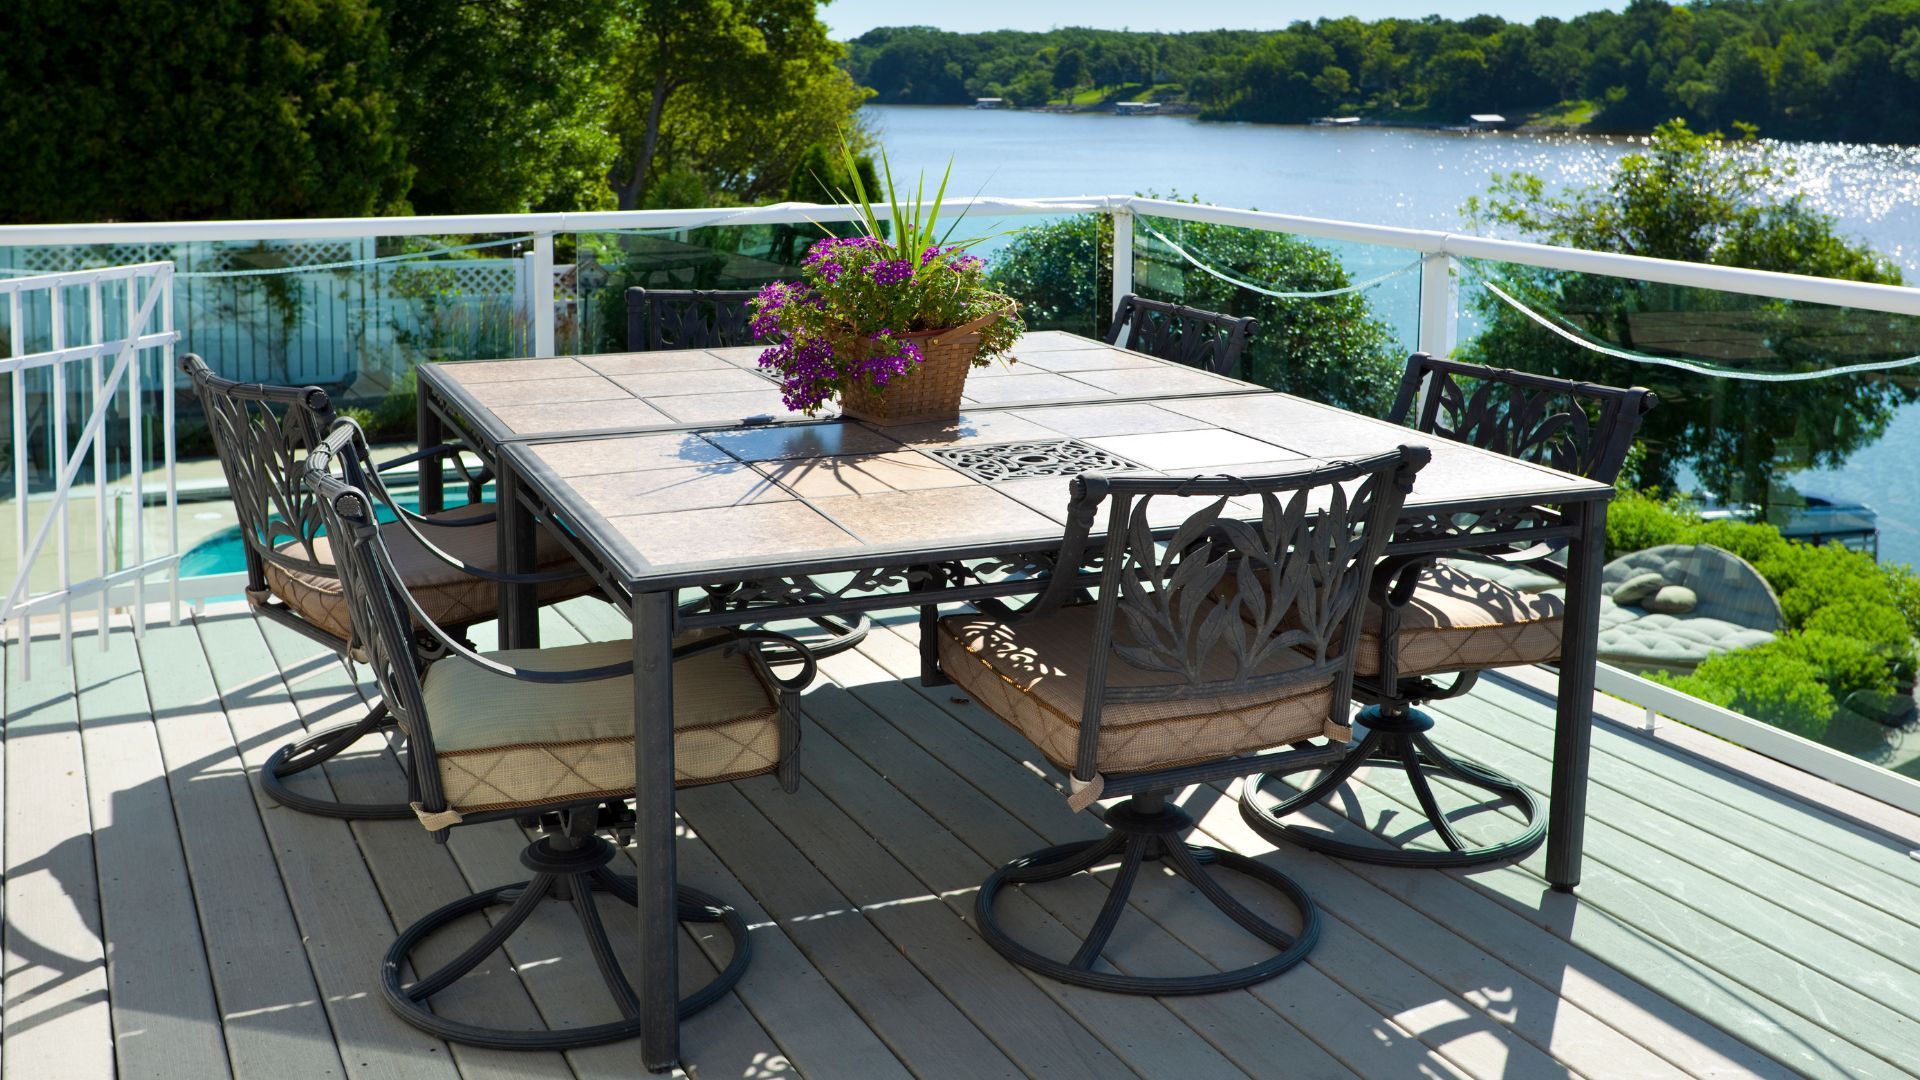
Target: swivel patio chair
{"x":544,"y":736}
{"x":262,"y":435}
{"x":1428,"y":616}
{"x":1168,"y":680}
{"x":688,"y":318}
{"x":1199,"y":339}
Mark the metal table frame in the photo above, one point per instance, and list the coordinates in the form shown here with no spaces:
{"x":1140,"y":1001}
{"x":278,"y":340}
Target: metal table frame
{"x":1563,"y":509}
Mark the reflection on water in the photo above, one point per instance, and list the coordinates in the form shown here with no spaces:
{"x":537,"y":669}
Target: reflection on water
{"x":1408,"y":178}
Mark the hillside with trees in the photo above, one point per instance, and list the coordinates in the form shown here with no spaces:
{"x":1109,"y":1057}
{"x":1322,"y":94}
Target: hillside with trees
{"x":1807,"y":69}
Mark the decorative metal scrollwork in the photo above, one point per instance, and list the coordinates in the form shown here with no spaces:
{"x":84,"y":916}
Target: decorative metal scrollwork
{"x":1013,"y":461}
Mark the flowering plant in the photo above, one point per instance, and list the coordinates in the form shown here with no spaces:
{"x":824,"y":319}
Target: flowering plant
{"x":852,"y":319}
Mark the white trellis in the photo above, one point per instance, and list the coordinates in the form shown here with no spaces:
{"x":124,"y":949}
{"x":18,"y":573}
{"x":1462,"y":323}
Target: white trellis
{"x":110,"y":352}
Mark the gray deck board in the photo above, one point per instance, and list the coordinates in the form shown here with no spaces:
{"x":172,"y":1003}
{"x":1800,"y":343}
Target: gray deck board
{"x":162,"y":919}
{"x":165,"y":1022}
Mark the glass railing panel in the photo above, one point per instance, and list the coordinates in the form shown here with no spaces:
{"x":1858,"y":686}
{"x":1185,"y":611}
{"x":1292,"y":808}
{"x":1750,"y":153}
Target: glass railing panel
{"x":1336,"y":320}
{"x":1784,"y":436}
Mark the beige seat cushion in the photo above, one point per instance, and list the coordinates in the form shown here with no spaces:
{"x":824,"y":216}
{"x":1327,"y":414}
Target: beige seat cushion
{"x":1460,"y":621}
{"x":507,"y":743}
{"x":1033,"y":675}
{"x":453,"y":598}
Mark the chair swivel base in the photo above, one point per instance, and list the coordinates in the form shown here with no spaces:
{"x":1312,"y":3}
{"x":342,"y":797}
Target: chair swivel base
{"x":1143,"y":830}
{"x":317,"y":749}
{"x":569,"y":871}
{"x":1398,"y":739}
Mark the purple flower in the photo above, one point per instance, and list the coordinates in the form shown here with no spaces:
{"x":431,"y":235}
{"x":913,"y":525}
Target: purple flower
{"x":890,"y":271}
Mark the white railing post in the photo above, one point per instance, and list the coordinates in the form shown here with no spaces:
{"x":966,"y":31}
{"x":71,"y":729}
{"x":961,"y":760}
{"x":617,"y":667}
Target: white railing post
{"x":1122,"y":257}
{"x":21,"y":466}
{"x":1437,"y":304}
{"x":540,"y":289}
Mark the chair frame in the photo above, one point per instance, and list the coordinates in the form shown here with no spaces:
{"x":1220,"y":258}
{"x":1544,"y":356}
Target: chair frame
{"x":1578,"y":427}
{"x":1207,"y":340}
{"x":688,"y":318}
{"x":262,"y":434}
{"x":1317,"y":564}
{"x":399,"y":641}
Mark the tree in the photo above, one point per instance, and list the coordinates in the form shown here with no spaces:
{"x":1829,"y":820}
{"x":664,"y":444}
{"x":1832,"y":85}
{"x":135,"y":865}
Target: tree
{"x":1708,"y":199}
{"x":163,"y":109}
{"x":1069,"y":71}
{"x":722,"y":82}
{"x":1330,"y":349}
{"x":504,"y":105}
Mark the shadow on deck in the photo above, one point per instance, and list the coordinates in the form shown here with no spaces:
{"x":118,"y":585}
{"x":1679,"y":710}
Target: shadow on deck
{"x":161,"y":919}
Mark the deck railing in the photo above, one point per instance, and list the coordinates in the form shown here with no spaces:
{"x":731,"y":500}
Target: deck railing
{"x":1435,"y":325}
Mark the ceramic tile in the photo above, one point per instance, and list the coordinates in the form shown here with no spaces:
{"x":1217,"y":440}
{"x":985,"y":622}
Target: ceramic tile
{"x":1184,"y":450}
{"x":645,"y":363}
{"x":497,"y":395}
{"x":731,"y":407}
{"x":588,"y":457}
{"x":1132,"y":418}
{"x":744,"y":356}
{"x":1048,"y":495}
{"x":1155,"y":381}
{"x":1049,"y":340}
{"x":488,"y":371}
{"x":903,"y":470}
{"x":801,"y":441}
{"x":762,"y":531}
{"x":933,"y":518}
{"x":658,"y":491}
{"x":971,"y":428}
{"x":1098,"y":358}
{"x":1035,"y":386}
{"x":580,"y":416}
{"x":676,"y":383}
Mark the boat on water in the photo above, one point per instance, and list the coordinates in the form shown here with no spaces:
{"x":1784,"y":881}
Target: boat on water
{"x":1809,"y":518}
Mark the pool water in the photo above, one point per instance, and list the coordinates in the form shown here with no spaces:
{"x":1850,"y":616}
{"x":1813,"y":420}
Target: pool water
{"x":225,"y":552}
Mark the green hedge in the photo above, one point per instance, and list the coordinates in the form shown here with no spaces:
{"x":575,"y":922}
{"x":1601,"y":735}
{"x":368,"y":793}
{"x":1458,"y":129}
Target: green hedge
{"x":1850,"y":622}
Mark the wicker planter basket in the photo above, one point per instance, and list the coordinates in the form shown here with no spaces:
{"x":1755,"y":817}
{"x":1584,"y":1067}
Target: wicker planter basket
{"x":929,"y":392}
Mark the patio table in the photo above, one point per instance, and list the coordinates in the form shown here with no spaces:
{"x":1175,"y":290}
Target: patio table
{"x":803,"y":518}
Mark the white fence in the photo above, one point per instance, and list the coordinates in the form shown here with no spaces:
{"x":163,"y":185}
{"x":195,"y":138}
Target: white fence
{"x":1439,"y":310}
{"x":113,"y":360}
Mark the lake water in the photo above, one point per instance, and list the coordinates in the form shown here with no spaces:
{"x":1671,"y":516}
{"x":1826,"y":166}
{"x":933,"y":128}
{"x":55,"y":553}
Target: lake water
{"x":1417,"y":179}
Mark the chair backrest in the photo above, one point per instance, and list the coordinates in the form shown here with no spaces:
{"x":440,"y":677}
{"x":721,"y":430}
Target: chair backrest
{"x":1577,"y":427}
{"x":1200,"y":339}
{"x":1219,"y":587}
{"x":262,"y":435}
{"x":383,"y":626}
{"x":688,"y":318}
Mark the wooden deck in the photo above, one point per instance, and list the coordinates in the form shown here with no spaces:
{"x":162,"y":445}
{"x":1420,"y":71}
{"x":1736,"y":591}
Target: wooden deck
{"x":163,"y":920}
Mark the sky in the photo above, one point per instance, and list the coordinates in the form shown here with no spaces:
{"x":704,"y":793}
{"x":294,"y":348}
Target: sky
{"x":851,"y":18}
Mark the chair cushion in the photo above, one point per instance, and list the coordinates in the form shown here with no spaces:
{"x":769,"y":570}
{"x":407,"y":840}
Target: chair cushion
{"x":453,"y":598}
{"x":1459,"y":621}
{"x":507,"y":743}
{"x":1032,"y":673}
{"x":1638,"y":641}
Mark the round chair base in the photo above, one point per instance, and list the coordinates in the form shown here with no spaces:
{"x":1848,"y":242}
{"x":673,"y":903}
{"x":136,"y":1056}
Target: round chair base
{"x":1398,"y":740}
{"x":566,"y":875}
{"x":317,"y":749}
{"x":1139,"y":836}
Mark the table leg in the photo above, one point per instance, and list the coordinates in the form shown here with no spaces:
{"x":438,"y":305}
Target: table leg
{"x":653,"y":828}
{"x":1573,"y":714}
{"x":516,"y":532}
{"x":431,"y":433}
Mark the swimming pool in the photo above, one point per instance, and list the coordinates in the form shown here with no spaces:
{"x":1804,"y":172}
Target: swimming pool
{"x":225,"y":552}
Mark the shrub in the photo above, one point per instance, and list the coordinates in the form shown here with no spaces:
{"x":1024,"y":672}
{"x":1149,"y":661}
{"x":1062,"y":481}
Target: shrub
{"x":1879,"y":624}
{"x":1755,"y":543}
{"x":1767,"y":683}
{"x":1845,"y":664}
{"x":1637,"y":521}
{"x":1808,"y":578}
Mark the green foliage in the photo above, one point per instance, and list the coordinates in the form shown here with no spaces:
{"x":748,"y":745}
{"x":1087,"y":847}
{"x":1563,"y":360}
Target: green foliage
{"x":1767,"y":682}
{"x":1822,"y":69}
{"x":1701,"y":198}
{"x":1637,"y":521}
{"x":1878,"y":624}
{"x":393,"y":416}
{"x":149,"y":110}
{"x":1331,"y":349}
